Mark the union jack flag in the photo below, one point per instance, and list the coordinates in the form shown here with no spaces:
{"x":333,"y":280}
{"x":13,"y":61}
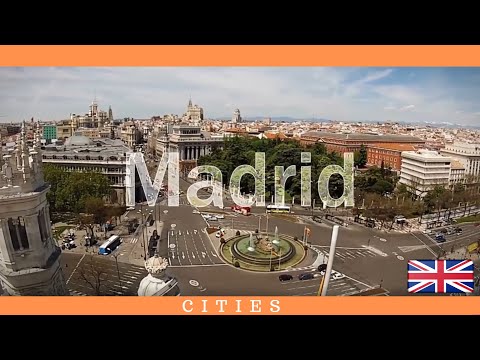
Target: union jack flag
{"x":440,"y":276}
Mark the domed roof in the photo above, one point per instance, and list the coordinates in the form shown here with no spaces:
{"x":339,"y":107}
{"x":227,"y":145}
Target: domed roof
{"x":78,"y":140}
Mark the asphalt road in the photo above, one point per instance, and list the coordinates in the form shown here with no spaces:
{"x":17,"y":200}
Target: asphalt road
{"x":368,"y":258}
{"x":96,"y":275}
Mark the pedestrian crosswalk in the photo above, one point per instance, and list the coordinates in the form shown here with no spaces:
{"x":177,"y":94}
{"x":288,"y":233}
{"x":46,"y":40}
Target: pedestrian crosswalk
{"x":133,"y":240}
{"x":76,"y":293}
{"x":337,"y":287}
{"x":349,"y":253}
{"x":407,"y":249}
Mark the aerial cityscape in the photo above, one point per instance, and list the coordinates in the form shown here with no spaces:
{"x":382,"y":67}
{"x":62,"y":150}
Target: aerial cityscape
{"x":78,"y":220}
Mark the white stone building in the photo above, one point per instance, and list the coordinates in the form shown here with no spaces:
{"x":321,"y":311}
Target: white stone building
{"x":106,"y":156}
{"x":422,"y":170}
{"x":457,"y":173}
{"x":95,"y":118}
{"x":468,"y":154}
{"x":29,"y":256}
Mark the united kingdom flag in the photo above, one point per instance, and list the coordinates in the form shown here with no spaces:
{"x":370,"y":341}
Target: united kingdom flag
{"x":440,"y":276}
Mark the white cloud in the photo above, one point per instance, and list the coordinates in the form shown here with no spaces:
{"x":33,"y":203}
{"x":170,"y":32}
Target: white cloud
{"x":336,"y":93}
{"x":407,"y":108}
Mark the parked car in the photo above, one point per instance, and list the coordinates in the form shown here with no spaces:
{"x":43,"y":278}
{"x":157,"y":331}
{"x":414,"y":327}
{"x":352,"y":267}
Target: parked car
{"x":285,"y":277}
{"x":306,"y":276}
{"x":213,"y":218}
{"x":220,"y":216}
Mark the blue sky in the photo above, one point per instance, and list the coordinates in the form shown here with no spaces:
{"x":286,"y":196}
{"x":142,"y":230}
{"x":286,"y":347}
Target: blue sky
{"x":348,"y":94}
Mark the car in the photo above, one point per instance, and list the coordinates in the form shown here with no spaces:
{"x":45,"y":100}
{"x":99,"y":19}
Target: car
{"x":440,"y":238}
{"x":206,"y":216}
{"x":195,"y":212}
{"x":335,"y":275}
{"x":220,"y":216}
{"x":213,"y":218}
{"x":305,"y":276}
{"x":131,"y":208}
{"x":285,"y":277}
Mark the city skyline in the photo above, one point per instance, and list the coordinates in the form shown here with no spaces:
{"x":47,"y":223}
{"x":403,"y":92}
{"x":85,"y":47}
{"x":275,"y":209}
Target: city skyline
{"x":437,"y":95}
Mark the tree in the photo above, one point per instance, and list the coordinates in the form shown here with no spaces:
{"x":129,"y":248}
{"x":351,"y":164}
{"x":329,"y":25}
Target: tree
{"x":360,"y":157}
{"x":93,"y":275}
{"x":69,"y":190}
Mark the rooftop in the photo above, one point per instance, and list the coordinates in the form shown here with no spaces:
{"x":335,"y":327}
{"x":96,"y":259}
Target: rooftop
{"x":105,"y":148}
{"x":426,"y":155}
{"x":362,"y":137}
{"x":457,"y":165}
{"x":393,"y":146}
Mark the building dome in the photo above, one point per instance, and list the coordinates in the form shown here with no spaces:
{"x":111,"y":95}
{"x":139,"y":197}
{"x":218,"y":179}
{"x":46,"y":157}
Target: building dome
{"x":78,"y":140}
{"x":157,"y":282}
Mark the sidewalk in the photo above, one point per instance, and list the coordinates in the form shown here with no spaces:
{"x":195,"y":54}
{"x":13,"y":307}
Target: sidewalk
{"x":136,"y":255}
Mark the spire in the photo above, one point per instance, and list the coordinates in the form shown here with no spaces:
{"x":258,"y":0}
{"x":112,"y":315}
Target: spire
{"x":38,"y":142}
{"x":190,"y":102}
{"x":23,"y":137}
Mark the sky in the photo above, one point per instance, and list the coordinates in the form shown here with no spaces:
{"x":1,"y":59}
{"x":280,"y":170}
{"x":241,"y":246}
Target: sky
{"x":335,"y":93}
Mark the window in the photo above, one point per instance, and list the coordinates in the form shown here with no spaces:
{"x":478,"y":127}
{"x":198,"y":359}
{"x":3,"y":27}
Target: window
{"x":18,"y":234}
{"x":42,"y":225}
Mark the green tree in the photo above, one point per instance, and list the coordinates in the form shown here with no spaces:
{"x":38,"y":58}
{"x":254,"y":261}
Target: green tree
{"x":69,"y":190}
{"x":360,"y":157}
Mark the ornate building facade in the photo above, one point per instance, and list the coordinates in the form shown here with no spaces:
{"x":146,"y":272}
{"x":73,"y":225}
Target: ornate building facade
{"x":190,"y":142}
{"x":194,"y":113}
{"x":95,"y":118}
{"x":29,"y":256}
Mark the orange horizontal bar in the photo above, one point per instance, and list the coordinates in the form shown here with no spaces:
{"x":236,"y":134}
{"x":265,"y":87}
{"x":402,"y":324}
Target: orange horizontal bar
{"x":343,"y":305}
{"x":240,"y":55}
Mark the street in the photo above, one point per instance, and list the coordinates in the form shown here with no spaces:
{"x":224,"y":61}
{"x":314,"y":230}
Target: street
{"x":97,"y":275}
{"x":367,"y":258}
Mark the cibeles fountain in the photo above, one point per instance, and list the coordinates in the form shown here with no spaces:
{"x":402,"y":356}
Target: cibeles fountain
{"x":158,"y":282}
{"x":263,"y":251}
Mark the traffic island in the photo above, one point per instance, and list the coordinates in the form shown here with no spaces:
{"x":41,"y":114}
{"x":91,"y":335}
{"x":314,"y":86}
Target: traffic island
{"x":262,"y":252}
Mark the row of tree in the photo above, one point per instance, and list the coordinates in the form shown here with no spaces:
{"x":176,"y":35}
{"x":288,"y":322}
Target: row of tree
{"x":241,"y":151}
{"x":82,"y":194}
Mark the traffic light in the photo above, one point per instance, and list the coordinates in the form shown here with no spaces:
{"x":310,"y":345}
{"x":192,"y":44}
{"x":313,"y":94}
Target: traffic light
{"x":322,"y":267}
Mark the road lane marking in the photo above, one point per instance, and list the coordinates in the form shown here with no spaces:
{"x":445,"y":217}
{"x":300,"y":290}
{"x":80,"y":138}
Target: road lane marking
{"x":358,"y":281}
{"x":75,"y":269}
{"x":196,"y":249}
{"x":204,"y":265}
{"x":375,"y":251}
{"x":426,"y":246}
{"x":303,"y":287}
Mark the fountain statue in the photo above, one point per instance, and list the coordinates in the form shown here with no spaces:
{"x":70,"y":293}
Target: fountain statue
{"x":251,"y":246}
{"x":276,"y":241}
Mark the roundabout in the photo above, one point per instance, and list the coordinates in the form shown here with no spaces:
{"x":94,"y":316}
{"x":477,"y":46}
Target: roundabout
{"x":263,"y":252}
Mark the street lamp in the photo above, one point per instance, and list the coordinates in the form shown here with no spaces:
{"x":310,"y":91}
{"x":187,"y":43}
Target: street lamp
{"x":115,"y":256}
{"x":144,"y":216}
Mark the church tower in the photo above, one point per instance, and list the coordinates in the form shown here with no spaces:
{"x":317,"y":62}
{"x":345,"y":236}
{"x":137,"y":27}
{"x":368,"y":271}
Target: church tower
{"x":29,"y":256}
{"x":110,"y":114}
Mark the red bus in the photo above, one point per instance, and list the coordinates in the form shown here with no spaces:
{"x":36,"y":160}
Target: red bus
{"x":244,"y":210}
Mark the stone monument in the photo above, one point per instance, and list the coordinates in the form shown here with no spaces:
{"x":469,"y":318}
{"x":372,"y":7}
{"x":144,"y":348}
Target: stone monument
{"x":157,"y":282}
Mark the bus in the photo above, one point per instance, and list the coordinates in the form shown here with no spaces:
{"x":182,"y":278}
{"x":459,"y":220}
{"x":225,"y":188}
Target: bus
{"x":111,"y":244}
{"x":278,"y":209}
